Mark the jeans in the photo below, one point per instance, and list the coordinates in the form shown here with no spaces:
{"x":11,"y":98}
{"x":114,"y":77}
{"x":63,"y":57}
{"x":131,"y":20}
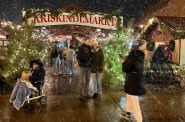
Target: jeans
{"x":56,"y":65}
{"x":69,"y":67}
{"x":97,"y":77}
{"x":132,"y":105}
{"x":84,"y":80}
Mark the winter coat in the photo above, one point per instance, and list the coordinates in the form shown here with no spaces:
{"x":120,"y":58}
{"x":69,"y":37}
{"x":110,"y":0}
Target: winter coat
{"x":83,"y":56}
{"x":37,"y":75}
{"x":55,"y":52}
{"x":134,"y":69}
{"x":70,"y":53}
{"x":97,"y":61}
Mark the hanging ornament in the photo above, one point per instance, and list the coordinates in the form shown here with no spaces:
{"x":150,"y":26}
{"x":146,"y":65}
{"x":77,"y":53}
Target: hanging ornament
{"x":171,"y":45}
{"x":150,"y":46}
{"x":156,"y":33}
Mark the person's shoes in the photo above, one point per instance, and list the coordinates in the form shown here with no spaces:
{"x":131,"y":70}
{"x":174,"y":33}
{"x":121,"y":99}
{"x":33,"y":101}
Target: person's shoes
{"x":10,"y":104}
{"x":88,"y":97}
{"x":71,"y":75}
{"x":126,"y":115}
{"x":65,"y":75}
{"x":55,"y":74}
{"x":95,"y":96}
{"x":82,"y":98}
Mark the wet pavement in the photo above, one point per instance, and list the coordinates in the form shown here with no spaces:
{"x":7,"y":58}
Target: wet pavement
{"x":63,"y":105}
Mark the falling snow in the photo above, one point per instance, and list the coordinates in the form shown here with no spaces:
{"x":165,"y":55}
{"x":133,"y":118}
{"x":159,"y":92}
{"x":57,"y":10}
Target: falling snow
{"x":162,"y":103}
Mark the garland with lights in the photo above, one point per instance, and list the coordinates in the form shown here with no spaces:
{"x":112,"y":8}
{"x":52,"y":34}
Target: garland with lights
{"x":117,"y":44}
{"x":152,"y":25}
{"x":25,"y":44}
{"x":32,"y":12}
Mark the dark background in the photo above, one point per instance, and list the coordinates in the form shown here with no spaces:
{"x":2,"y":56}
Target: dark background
{"x":130,"y":9}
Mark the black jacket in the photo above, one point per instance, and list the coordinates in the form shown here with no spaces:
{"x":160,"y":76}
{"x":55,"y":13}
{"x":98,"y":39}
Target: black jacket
{"x":134,"y":69}
{"x":97,"y":61}
{"x":37,"y":75}
{"x":84,"y":56}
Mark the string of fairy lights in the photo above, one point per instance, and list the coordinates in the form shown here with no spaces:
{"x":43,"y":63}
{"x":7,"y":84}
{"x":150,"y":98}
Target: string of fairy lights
{"x":115,"y":45}
{"x":25,"y":44}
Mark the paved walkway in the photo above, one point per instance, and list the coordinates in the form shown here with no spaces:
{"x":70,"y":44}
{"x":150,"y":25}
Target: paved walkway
{"x":63,"y":105}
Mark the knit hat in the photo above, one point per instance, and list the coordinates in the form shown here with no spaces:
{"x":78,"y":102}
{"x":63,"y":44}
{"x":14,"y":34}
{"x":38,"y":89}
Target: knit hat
{"x":137,"y":43}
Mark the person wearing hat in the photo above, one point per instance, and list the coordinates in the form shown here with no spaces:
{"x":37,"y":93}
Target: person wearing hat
{"x":97,"y":68}
{"x":133,"y":66}
{"x":84,"y":59}
{"x":38,"y":73}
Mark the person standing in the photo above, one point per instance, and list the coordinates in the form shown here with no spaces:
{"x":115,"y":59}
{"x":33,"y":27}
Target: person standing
{"x":133,"y":66}
{"x":97,"y":68}
{"x":70,"y":54}
{"x":84,"y":61}
{"x":55,"y":57}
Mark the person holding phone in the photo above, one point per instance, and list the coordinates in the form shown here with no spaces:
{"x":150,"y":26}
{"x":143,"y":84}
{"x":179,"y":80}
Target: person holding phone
{"x":133,"y":66}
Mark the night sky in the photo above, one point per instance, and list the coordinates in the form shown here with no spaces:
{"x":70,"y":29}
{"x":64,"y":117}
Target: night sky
{"x":131,"y":9}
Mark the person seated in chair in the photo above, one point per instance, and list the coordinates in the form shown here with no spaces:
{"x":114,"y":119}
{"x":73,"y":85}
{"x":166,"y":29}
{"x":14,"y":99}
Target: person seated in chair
{"x":38,"y":73}
{"x":22,"y":89}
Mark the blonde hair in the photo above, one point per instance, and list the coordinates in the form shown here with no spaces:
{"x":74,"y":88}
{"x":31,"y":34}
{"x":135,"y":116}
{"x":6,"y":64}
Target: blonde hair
{"x":89,"y":42}
{"x":94,"y":42}
{"x":25,"y":75}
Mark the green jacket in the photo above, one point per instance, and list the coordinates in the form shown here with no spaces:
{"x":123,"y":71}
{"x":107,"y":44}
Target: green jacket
{"x":97,"y":61}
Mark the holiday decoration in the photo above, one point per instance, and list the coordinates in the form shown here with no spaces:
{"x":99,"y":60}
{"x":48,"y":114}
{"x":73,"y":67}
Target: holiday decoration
{"x":25,"y":44}
{"x":116,"y":45}
{"x":150,"y":46}
{"x":171,"y":45}
{"x":156,"y":33}
{"x":151,"y":29}
{"x":67,"y":16}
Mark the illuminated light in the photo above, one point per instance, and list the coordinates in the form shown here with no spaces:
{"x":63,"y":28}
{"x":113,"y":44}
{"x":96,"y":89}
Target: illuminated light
{"x":5,"y":24}
{"x":18,"y":26}
{"x":150,"y":21}
{"x":141,"y":26}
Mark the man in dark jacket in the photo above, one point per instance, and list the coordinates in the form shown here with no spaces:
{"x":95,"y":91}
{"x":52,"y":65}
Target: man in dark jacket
{"x":55,"y":58}
{"x":84,"y":61}
{"x":97,"y":68}
{"x":133,"y":66}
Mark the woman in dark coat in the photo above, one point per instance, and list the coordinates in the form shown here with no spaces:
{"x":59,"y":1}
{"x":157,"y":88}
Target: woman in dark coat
{"x":97,"y":68}
{"x":133,"y":66}
{"x":38,"y":73}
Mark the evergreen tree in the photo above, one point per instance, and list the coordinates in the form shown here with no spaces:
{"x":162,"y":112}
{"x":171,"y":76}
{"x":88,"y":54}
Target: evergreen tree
{"x":116,"y":45}
{"x":25,"y":44}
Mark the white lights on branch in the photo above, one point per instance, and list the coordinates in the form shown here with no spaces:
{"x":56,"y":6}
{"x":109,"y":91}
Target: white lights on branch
{"x":150,"y":21}
{"x":141,"y":26}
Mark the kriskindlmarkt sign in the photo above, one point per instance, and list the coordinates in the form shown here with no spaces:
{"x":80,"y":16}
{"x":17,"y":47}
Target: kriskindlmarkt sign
{"x":94,"y":20}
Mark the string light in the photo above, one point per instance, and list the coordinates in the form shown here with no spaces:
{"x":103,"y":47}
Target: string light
{"x":23,"y":48}
{"x":116,"y":43}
